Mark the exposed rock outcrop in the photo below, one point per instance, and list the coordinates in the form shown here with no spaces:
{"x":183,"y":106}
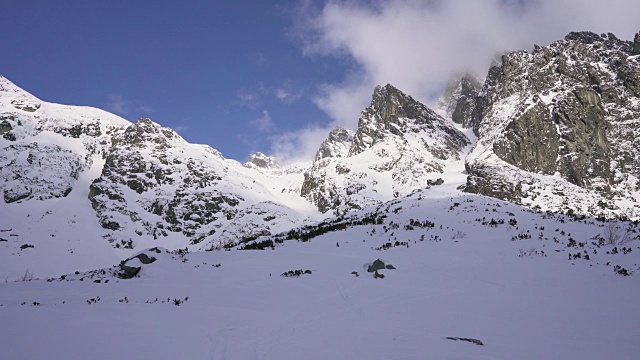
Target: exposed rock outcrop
{"x":568,"y":110}
{"x":459,"y":98}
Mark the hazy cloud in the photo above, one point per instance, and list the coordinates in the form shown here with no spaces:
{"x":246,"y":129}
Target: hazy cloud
{"x":117,"y":104}
{"x":249,"y":98}
{"x":145,"y":109}
{"x":298,"y":145}
{"x":263,"y":124}
{"x":253,"y":97}
{"x":124,"y":107}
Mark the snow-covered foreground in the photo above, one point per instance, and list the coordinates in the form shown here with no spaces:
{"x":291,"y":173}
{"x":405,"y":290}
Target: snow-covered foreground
{"x":464,"y":280}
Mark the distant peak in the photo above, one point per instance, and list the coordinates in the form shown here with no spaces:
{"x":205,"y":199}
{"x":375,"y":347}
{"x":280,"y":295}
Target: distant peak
{"x":262,"y":161}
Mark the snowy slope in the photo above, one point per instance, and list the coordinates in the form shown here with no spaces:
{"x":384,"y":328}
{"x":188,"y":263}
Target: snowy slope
{"x":158,"y":190}
{"x":49,"y":155}
{"x":467,"y":268}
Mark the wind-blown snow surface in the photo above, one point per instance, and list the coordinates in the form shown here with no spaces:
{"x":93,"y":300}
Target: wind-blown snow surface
{"x":465,"y":277}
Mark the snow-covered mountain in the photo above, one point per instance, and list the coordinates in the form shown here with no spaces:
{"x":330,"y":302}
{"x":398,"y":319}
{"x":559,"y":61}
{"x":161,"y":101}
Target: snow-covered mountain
{"x":389,"y":243}
{"x":553,"y":130}
{"x":558,"y":128}
{"x":75,"y":179}
{"x":157,"y":189}
{"x":400,"y":146}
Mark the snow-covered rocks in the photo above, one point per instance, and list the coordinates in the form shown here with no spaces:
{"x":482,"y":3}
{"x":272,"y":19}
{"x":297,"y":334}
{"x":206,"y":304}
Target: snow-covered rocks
{"x":558,"y":128}
{"x":400,"y":144}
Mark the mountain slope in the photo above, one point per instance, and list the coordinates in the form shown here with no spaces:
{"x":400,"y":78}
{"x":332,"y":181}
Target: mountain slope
{"x":465,"y":267}
{"x":157,"y":189}
{"x":79,"y":183}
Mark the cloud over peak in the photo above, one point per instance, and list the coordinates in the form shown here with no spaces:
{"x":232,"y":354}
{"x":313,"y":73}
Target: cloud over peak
{"x":417,"y":45}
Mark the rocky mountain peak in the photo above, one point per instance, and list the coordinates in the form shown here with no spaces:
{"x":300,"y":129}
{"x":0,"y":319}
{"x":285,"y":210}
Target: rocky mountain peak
{"x":337,"y":144}
{"x":567,"y":113}
{"x":391,"y":113}
{"x":636,"y":44}
{"x":389,"y":104}
{"x":261,"y":161}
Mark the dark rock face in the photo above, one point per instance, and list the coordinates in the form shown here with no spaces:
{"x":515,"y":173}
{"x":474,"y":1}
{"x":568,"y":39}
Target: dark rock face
{"x":636,"y":44}
{"x":569,"y":109}
{"x":387,"y":115}
{"x":459,"y":98}
{"x":5,"y":127}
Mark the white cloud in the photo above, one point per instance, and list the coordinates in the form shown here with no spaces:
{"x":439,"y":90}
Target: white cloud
{"x":287,"y":95}
{"x":263,"y":124}
{"x":300,"y":145}
{"x":416,"y":45}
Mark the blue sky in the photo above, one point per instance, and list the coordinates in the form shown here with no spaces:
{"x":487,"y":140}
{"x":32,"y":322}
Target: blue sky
{"x":271,"y":76}
{"x":225,"y":73}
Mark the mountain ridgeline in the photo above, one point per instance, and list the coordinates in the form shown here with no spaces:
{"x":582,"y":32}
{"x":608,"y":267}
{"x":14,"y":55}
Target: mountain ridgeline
{"x":557,"y":129}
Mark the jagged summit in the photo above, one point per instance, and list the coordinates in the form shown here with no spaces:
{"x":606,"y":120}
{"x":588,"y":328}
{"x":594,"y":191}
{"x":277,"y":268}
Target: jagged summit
{"x":400,"y":145}
{"x":262,"y":161}
{"x":395,"y":113}
{"x":608,"y":39}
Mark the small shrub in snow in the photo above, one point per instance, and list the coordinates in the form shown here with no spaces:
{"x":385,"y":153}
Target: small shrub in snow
{"x":621,"y":271}
{"x":531,"y":252}
{"x":614,"y":234}
{"x":27,"y":276}
{"x":295,"y":273}
{"x":473,"y":341}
